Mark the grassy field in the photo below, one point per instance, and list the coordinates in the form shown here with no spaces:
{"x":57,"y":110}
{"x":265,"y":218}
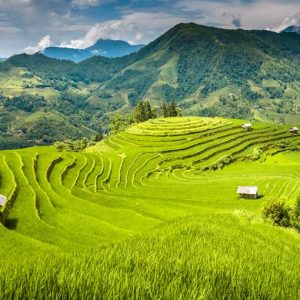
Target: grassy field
{"x":152,"y":213}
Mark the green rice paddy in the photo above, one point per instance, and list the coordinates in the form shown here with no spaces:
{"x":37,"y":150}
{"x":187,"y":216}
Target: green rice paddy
{"x":152,"y":213}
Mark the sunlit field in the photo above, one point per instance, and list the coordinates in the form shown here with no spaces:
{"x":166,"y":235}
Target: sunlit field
{"x":152,"y":213}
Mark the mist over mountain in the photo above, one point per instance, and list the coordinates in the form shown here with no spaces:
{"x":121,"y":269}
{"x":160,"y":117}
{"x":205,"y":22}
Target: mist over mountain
{"x":105,"y":48}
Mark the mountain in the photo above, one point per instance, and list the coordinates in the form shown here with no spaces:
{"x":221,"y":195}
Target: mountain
{"x":214,"y":71}
{"x":294,"y":29}
{"x":105,"y":48}
{"x":206,"y":71}
{"x":2,"y":59}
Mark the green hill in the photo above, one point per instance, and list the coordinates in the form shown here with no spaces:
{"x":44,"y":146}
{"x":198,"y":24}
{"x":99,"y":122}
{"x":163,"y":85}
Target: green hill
{"x":207,"y":71}
{"x":202,"y":67}
{"x":152,"y":212}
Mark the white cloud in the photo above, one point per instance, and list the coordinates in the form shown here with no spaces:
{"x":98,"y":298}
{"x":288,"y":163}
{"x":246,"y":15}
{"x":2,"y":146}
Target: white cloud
{"x":288,"y":21}
{"x":252,"y":15}
{"x":43,"y":43}
{"x":85,"y":3}
{"x":7,"y":29}
{"x":136,"y":28}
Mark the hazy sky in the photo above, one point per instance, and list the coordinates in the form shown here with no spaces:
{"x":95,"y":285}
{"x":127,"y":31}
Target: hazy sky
{"x":31,"y":25}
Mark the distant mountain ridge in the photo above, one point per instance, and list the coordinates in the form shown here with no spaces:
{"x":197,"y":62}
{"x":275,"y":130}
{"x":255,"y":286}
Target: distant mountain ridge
{"x":295,"y":29}
{"x":106,"y":48}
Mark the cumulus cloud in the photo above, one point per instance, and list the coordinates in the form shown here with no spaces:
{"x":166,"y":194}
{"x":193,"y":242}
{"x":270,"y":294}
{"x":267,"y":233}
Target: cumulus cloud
{"x":25,"y":21}
{"x":7,"y":29}
{"x":288,"y":21}
{"x":86,"y":3}
{"x":251,"y":14}
{"x":43,"y":43}
{"x":136,"y":28}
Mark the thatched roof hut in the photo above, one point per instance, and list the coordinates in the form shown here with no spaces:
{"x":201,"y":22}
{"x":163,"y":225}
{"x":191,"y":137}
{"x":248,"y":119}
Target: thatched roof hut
{"x":247,"y":126}
{"x":3,"y":200}
{"x":294,"y":130}
{"x":247,"y":192}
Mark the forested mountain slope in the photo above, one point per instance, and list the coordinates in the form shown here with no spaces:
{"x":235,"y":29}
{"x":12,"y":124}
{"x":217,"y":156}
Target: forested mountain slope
{"x":206,"y":71}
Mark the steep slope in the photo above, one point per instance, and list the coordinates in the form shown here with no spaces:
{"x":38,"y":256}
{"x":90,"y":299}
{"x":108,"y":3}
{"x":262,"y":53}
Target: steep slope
{"x":105,"y":48}
{"x":191,"y":62}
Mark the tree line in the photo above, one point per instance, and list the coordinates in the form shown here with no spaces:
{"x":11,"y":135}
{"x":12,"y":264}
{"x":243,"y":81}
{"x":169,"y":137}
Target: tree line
{"x":142,"y":112}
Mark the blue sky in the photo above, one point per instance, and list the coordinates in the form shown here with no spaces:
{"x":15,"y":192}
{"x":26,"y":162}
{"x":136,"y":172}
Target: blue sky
{"x":31,"y":25}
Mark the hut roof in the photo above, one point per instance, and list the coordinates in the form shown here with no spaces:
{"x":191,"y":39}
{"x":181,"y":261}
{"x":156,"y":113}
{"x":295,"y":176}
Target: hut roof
{"x":247,"y":125}
{"x":249,"y":190}
{"x":2,"y":200}
{"x":294,"y":128}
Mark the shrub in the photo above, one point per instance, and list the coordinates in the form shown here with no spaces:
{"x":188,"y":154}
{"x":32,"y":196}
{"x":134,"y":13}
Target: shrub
{"x":296,"y":215}
{"x":277,"y":213}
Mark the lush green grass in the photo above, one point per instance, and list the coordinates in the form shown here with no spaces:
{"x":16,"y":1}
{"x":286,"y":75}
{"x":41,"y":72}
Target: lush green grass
{"x":152,"y":212}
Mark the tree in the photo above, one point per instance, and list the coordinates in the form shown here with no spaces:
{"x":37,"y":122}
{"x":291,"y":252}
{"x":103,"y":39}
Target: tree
{"x":173,"y":110}
{"x":149,"y":113}
{"x":296,"y":215}
{"x":277,"y":213}
{"x":139,"y":112}
{"x":143,"y":112}
{"x":169,"y":110}
{"x":98,"y":137}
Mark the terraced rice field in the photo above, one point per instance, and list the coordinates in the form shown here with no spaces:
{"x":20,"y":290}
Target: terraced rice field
{"x":152,"y":212}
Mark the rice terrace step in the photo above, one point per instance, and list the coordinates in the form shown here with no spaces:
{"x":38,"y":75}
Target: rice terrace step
{"x":149,"y":183}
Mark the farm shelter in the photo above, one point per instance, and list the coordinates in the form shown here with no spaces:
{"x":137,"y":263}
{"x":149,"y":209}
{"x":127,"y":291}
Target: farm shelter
{"x":248,"y":192}
{"x":247,"y":126}
{"x":2,"y":200}
{"x":294,"y":130}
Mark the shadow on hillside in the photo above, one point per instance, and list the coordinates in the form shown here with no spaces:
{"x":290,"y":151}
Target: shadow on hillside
{"x":11,"y":223}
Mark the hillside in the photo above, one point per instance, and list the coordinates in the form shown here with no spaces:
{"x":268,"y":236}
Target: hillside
{"x":215,"y":71}
{"x":206,"y":71}
{"x":143,"y":211}
{"x":105,"y":48}
{"x":294,"y":29}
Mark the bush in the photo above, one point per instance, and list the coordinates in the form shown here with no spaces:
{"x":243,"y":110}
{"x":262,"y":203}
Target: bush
{"x":277,"y":213}
{"x":296,"y":215}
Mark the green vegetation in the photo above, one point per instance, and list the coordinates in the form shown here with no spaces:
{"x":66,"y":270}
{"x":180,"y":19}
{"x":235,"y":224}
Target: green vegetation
{"x":152,"y":212}
{"x":143,"y":111}
{"x":279,"y":214}
{"x":206,"y":71}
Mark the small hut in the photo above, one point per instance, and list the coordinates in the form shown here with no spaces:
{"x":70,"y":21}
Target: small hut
{"x":3,"y":200}
{"x":294,"y":130}
{"x":247,"y":192}
{"x":247,"y":126}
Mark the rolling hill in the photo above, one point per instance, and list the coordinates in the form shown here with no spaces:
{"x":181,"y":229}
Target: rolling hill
{"x":152,"y":212}
{"x":206,"y":71}
{"x":105,"y":48}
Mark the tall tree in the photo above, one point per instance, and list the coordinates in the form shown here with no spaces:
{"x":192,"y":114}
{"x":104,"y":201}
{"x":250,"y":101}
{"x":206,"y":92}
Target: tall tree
{"x":149,"y":113}
{"x":139,"y":112}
